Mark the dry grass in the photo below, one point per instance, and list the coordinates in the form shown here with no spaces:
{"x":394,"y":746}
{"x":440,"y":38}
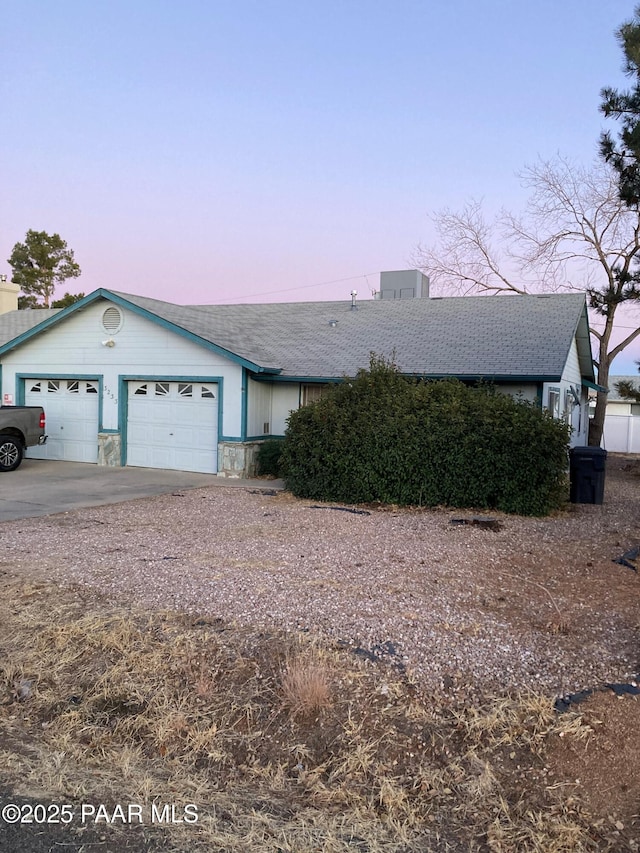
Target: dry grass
{"x":306,"y":684}
{"x":283,"y":744}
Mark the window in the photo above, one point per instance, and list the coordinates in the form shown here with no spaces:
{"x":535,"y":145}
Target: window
{"x":207,"y":393}
{"x":73,"y":386}
{"x":92,"y":387}
{"x":162,"y":389}
{"x":141,"y":391}
{"x":554,"y":402}
{"x":312,"y":393}
{"x":53,"y":386}
{"x":37,"y":387}
{"x":185,"y":390}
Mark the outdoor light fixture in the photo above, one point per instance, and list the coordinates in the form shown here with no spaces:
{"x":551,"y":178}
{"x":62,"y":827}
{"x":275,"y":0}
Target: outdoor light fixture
{"x":109,"y":343}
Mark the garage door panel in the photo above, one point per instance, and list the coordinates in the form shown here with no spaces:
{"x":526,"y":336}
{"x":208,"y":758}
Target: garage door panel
{"x":173,"y":425}
{"x":71,"y":411}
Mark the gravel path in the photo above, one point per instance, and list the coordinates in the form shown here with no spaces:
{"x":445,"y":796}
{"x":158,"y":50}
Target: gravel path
{"x":538,"y":603}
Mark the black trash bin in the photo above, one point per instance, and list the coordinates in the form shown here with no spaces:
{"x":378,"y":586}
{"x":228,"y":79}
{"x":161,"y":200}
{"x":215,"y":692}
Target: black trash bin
{"x":586,"y":474}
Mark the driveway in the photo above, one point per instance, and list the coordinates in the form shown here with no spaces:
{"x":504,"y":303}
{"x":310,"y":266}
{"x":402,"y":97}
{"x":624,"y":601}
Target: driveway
{"x":44,"y":486}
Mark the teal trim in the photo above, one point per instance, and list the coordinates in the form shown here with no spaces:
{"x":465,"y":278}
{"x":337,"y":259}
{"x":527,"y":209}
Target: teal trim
{"x":583,"y":345}
{"x":1,"y":392}
{"x":45,"y":324}
{"x":262,"y":437}
{"x":191,"y":336}
{"x":513,"y":379}
{"x":110,"y":431}
{"x":123,"y":413}
{"x":587,"y":384}
{"x":323,"y":380}
{"x":123,"y":400}
{"x":244,"y":404}
{"x":22,"y":378}
{"x":103,"y":293}
{"x":167,"y":377}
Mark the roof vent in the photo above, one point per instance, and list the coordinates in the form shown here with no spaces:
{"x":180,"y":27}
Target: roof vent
{"x":112,"y":320}
{"x":403,"y":284}
{"x":333,"y":323}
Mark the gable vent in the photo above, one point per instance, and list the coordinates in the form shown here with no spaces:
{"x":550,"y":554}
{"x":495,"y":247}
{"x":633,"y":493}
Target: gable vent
{"x":112,"y":320}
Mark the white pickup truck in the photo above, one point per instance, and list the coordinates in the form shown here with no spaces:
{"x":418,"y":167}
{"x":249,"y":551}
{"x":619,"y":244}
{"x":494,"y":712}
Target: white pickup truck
{"x":20,"y":427}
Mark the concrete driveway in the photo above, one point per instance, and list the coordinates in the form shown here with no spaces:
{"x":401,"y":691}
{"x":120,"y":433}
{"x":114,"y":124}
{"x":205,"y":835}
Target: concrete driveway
{"x":43,"y":486}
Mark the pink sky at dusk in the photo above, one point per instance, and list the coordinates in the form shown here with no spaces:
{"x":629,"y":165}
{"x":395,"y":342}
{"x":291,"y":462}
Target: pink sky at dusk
{"x":279,"y":151}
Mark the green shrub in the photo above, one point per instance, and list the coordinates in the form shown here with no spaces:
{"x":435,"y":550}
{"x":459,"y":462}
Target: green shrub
{"x":268,"y":457}
{"x":385,"y":437}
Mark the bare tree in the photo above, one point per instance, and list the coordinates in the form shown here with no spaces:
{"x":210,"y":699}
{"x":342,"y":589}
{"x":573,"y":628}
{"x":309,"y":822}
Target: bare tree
{"x":575,"y":234}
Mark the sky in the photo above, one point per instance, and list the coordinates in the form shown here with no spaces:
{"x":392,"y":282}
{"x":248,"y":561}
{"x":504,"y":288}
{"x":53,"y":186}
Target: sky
{"x":271,"y":150}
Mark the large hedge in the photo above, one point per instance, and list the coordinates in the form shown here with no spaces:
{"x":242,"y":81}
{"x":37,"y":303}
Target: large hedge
{"x":385,"y":437}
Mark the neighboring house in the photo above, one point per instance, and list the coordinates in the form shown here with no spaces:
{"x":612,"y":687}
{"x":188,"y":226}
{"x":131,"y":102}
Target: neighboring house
{"x":128,"y":380}
{"x":622,"y":420}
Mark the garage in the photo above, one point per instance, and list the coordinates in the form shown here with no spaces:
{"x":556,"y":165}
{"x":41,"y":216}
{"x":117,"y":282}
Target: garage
{"x":173,"y":425}
{"x":72,"y":414}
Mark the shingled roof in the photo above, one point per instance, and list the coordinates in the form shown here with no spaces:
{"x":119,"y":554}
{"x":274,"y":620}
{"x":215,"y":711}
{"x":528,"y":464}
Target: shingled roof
{"x":501,"y":337}
{"x":614,"y":395}
{"x":16,"y":323}
{"x":509,"y":336}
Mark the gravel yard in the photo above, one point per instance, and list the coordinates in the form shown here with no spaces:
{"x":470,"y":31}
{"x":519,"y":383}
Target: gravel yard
{"x":538,"y":603}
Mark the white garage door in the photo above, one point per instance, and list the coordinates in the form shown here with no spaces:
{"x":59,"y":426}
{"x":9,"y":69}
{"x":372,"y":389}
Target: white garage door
{"x":71,"y":411}
{"x":173,"y":425}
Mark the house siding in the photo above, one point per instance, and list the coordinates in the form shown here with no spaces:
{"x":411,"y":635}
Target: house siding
{"x":570,"y":383}
{"x":258,"y":408}
{"x":272,"y":403}
{"x":259,"y":388}
{"x":527,"y":392}
{"x":286,"y":399}
{"x":141,"y":348}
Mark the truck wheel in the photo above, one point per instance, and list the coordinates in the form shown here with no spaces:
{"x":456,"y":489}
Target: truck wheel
{"x":11,"y":453}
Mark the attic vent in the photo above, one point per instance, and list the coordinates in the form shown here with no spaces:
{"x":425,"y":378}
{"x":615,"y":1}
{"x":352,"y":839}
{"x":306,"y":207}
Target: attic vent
{"x":112,"y":320}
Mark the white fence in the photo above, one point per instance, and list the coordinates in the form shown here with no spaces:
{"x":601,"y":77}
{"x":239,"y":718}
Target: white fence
{"x":621,"y":433}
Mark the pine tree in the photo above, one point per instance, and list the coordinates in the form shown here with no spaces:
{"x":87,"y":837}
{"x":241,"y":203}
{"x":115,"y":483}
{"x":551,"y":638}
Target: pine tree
{"x":40,"y":263}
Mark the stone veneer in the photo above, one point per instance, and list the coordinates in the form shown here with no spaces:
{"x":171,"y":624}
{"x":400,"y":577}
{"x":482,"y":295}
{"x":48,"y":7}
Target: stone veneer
{"x":109,"y":449}
{"x":236,"y":459}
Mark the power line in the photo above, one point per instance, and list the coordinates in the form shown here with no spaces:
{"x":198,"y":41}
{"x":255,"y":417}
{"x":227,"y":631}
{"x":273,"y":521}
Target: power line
{"x":340,"y":281}
{"x":616,"y":326}
{"x":301,"y":287}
